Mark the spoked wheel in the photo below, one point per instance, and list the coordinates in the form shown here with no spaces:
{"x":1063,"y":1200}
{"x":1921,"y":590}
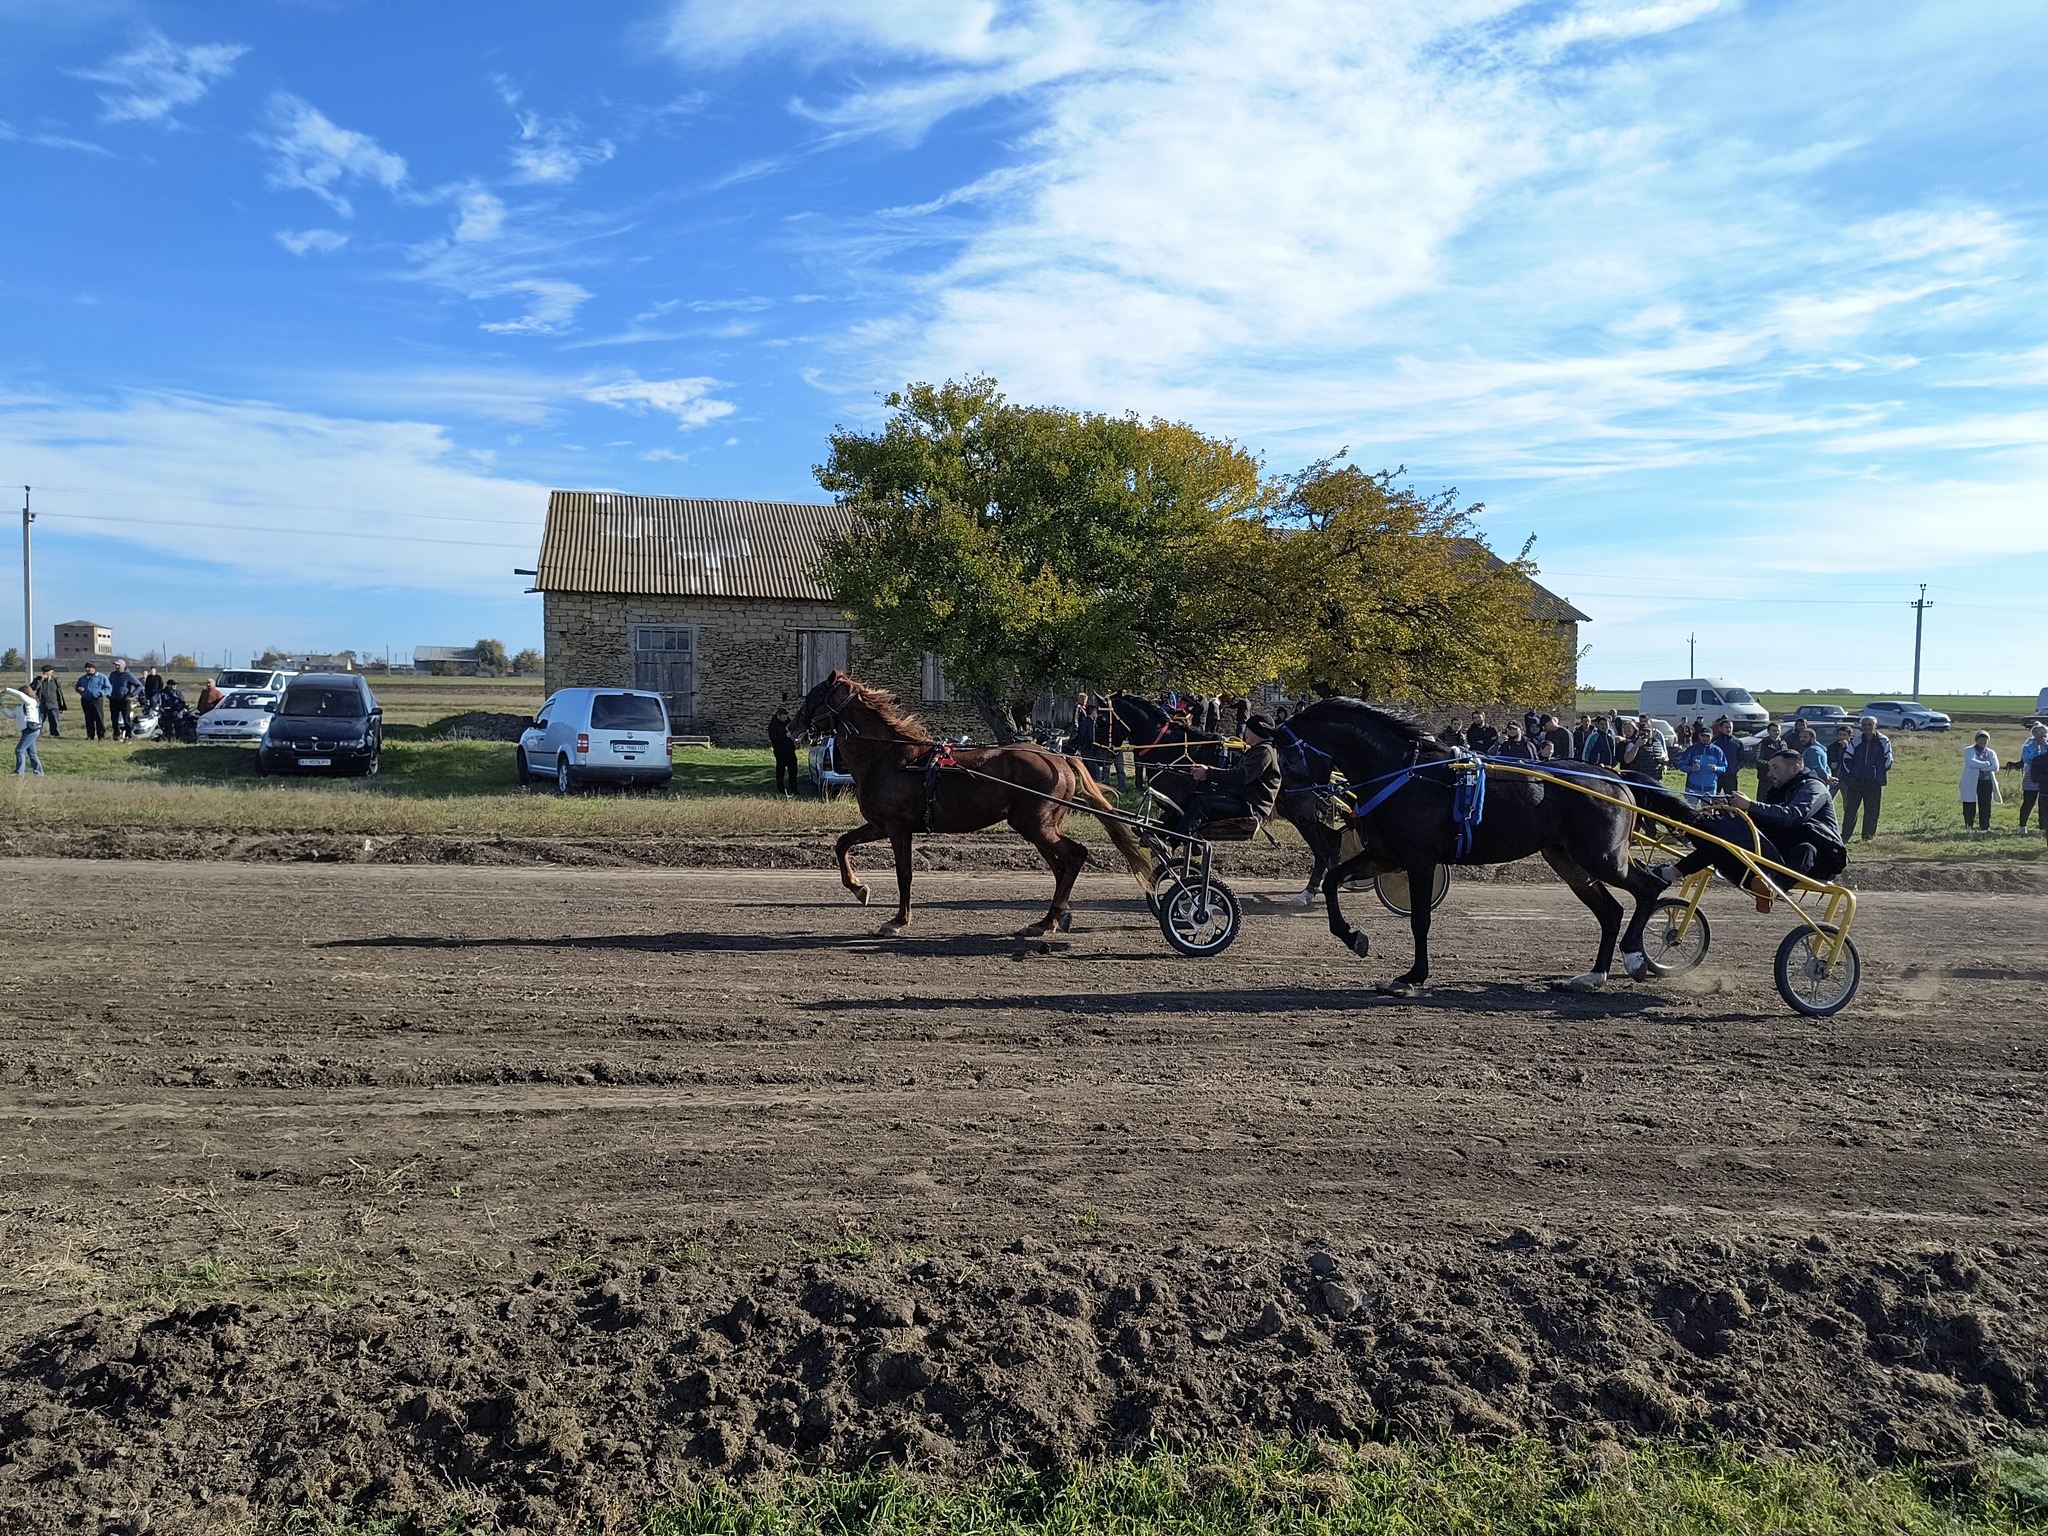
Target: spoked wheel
{"x":1395,"y":895}
{"x":1195,"y":926}
{"x":1808,"y":982}
{"x":1665,"y":950}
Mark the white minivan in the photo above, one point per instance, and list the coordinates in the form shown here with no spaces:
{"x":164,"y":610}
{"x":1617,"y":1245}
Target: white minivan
{"x":1683,"y":698}
{"x":598,"y":736}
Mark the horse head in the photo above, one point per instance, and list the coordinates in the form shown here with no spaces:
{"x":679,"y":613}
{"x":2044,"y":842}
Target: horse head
{"x":822,"y":706}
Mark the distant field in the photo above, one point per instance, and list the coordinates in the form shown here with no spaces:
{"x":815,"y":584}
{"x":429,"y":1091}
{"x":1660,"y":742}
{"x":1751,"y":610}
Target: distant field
{"x":1971,"y":708}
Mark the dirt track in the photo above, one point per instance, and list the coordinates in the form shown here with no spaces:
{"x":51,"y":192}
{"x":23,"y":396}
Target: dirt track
{"x":625,"y":1177}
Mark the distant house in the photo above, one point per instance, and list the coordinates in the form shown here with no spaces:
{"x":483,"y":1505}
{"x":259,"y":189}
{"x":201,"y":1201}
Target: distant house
{"x":711,"y":604}
{"x":81,"y":642}
{"x":445,"y":660}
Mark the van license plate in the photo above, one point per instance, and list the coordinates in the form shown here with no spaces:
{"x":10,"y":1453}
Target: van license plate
{"x":629,"y":746}
{"x":316,"y":762}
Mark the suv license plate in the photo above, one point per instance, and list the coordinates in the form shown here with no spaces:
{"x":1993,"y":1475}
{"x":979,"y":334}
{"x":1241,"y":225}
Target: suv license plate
{"x":316,"y":762}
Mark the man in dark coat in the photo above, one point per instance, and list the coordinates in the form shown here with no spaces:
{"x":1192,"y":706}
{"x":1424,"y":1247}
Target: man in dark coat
{"x":1480,"y":736}
{"x":50,"y":698}
{"x":786,"y":775}
{"x":1795,"y":824}
{"x":1248,"y":787}
{"x":1866,"y":765}
{"x":124,"y":688}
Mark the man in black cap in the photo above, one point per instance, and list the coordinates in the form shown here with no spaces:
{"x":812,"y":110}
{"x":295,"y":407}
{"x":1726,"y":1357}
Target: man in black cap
{"x":1248,"y":787}
{"x":1794,"y":817}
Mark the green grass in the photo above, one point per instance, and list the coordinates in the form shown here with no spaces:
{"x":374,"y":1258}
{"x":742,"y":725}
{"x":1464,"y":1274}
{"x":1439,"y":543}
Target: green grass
{"x":1322,"y":1490}
{"x":1986,"y":709}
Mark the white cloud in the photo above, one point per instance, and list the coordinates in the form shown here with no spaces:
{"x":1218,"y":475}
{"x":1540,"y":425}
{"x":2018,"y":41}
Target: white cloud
{"x":551,"y":306}
{"x":276,"y":493}
{"x":1603,"y":21}
{"x":311,"y":152}
{"x":157,"y":76}
{"x":688,"y":400}
{"x":479,"y":215}
{"x":13,"y":135}
{"x":551,"y":152}
{"x":299,"y":242}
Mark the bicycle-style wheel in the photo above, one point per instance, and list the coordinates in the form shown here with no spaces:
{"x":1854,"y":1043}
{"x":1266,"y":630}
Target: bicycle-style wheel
{"x":1197,"y":925}
{"x":1393,"y":890}
{"x":1665,"y":950}
{"x":1807,"y":982}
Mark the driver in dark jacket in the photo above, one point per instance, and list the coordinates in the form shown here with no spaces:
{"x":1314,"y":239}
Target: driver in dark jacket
{"x":1794,"y":816}
{"x":1248,"y":787}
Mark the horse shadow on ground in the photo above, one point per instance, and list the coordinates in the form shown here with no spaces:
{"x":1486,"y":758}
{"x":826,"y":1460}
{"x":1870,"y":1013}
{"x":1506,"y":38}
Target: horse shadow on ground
{"x":1459,"y":999}
{"x":958,"y":946}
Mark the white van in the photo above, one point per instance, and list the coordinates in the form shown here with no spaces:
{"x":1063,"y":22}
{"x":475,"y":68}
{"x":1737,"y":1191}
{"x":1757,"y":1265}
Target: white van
{"x":1682,"y":698}
{"x":598,"y":736}
{"x":2041,"y":705}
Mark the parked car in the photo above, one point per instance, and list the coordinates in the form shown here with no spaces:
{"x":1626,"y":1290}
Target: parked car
{"x":242,"y":716}
{"x":1903,"y":715}
{"x":827,"y":777}
{"x":1689,"y":697}
{"x":2041,"y":704}
{"x":1666,"y":732}
{"x":1818,"y":713}
{"x":261,"y":679}
{"x":326,"y":722}
{"x":598,"y":736}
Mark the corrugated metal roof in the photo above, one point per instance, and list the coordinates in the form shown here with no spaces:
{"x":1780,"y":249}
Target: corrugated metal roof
{"x":598,"y":541}
{"x":443,"y":653}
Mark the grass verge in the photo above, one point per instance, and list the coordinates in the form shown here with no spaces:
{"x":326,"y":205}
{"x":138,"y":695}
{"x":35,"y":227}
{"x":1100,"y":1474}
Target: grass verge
{"x":1329,"y":1491}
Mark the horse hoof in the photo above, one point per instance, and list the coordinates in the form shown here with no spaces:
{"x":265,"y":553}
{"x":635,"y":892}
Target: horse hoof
{"x":892,"y":929}
{"x":1592,"y":981}
{"x":1637,"y":967}
{"x":1400,"y":989}
{"x":1360,"y":945}
{"x":1066,"y":922}
{"x":860,"y":894}
{"x":1305,"y":898}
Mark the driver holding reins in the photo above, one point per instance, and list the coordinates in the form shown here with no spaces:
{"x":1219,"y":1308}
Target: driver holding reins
{"x":1248,"y":787}
{"x":1794,"y":817}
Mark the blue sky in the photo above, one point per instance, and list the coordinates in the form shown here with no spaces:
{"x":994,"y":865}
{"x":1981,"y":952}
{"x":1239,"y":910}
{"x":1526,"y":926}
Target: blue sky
{"x":1737,"y":307}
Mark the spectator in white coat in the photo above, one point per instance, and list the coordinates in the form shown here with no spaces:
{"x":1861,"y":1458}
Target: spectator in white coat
{"x":28,"y":719}
{"x":1979,"y":783}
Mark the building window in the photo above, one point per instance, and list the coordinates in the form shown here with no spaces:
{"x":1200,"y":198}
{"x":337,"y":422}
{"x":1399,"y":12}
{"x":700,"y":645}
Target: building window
{"x":665,"y":662}
{"x":937,"y":689}
{"x":821,"y":652}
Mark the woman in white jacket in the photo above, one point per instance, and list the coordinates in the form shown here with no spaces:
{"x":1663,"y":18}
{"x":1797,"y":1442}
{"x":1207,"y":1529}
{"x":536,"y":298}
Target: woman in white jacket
{"x":1979,"y":782}
{"x":28,"y":719}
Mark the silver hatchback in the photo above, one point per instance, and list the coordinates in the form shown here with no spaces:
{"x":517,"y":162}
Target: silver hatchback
{"x":598,"y":736}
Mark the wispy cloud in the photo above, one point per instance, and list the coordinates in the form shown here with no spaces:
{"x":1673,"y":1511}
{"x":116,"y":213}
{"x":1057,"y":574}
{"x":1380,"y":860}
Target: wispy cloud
{"x":689,"y":401}
{"x":156,"y":77}
{"x":310,"y":152}
{"x":551,"y":306}
{"x":13,"y":135}
{"x":304,"y":241}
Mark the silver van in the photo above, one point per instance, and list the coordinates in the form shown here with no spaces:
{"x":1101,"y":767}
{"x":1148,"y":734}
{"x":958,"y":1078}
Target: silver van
{"x":1683,"y":698}
{"x":598,"y":736}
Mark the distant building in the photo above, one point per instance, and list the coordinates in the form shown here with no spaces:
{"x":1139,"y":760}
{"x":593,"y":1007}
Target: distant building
{"x":81,"y":642}
{"x":711,"y":604}
{"x":445,"y":660}
{"x":343,"y":661}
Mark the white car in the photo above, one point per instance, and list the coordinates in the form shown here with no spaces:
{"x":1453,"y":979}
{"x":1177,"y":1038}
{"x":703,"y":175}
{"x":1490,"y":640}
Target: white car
{"x":243,"y":716}
{"x":270,"y":680}
{"x":598,"y":736}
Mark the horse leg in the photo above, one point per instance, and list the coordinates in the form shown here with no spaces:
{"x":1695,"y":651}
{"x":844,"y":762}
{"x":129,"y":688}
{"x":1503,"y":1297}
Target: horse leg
{"x":900,"y":841}
{"x":1615,"y":868}
{"x":1603,"y":907}
{"x":1333,"y":882}
{"x":866,"y":832}
{"x":1064,"y":857}
{"x":1421,"y":881}
{"x":1322,"y":852}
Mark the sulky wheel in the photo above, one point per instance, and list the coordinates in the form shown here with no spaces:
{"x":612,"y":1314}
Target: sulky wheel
{"x":1807,"y":982}
{"x":1392,"y":890}
{"x":1194,"y":926}
{"x":1666,"y":953}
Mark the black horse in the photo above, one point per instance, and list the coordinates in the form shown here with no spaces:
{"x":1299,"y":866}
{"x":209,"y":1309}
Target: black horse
{"x":1414,"y":829}
{"x":1163,"y":746}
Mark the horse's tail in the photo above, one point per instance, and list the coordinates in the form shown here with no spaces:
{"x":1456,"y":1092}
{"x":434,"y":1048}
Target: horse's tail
{"x":1089,"y":793}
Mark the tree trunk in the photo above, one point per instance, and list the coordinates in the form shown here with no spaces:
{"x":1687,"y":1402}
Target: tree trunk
{"x":995,"y":716}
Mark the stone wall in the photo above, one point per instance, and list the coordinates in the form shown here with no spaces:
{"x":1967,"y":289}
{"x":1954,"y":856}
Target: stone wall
{"x":748,"y":658}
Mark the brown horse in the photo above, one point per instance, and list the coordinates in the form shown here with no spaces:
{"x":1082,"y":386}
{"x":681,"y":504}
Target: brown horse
{"x":886,"y":751}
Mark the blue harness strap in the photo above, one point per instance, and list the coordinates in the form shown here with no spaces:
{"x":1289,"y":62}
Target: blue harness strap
{"x":1468,"y":803}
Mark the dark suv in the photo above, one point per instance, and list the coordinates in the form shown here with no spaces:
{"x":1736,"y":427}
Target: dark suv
{"x":327,"y":722}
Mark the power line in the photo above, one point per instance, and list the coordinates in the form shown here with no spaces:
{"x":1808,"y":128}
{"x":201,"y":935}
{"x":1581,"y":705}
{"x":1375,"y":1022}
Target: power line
{"x":283,"y":506}
{"x":324,"y":533}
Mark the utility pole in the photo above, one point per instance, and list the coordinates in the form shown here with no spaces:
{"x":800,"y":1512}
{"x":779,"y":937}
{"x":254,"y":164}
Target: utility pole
{"x":1919,"y":624}
{"x":1692,"y":659}
{"x":28,"y":594}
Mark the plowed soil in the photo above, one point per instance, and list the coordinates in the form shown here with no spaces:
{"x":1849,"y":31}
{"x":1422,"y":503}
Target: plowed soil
{"x":552,"y":1190}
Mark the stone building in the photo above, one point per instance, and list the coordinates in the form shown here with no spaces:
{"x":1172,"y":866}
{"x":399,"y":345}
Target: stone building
{"x":83,"y":641}
{"x":712,"y":604}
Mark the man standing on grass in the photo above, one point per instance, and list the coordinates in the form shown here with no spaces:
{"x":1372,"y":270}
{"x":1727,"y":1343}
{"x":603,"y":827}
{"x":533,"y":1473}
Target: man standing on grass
{"x":786,"y":779}
{"x":50,"y":700}
{"x":1865,"y":767}
{"x":92,"y":695}
{"x":123,"y":687}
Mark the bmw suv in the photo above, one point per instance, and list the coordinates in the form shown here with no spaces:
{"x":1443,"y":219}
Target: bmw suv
{"x":327,"y":722}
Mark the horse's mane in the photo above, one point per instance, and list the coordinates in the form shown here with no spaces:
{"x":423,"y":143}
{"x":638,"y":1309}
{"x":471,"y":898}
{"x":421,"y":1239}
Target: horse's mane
{"x":892,"y":715}
{"x":1395,"y":722}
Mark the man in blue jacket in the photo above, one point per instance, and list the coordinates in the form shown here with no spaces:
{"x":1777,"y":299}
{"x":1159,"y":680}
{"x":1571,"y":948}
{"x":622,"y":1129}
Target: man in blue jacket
{"x":1702,"y":764}
{"x":124,"y":688}
{"x":92,"y":695}
{"x":1865,"y":767}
